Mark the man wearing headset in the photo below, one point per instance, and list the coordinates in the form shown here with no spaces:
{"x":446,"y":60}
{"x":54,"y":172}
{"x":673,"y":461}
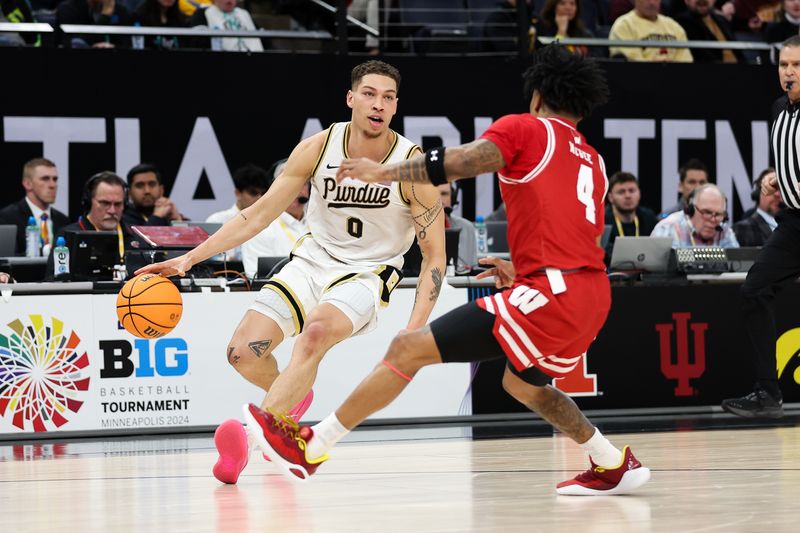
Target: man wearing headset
{"x":102,"y":204}
{"x":701,"y":223}
{"x":754,"y":230}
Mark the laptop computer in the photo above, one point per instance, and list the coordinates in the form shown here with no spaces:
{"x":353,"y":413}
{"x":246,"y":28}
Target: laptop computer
{"x":171,"y":236}
{"x":8,"y":239}
{"x":210,"y":227}
{"x":650,"y":254}
{"x":497,"y":236}
{"x":266,"y":265}
{"x":606,"y":236}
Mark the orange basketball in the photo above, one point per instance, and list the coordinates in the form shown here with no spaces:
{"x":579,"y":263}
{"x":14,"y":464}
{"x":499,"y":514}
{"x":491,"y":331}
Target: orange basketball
{"x":149,"y":306}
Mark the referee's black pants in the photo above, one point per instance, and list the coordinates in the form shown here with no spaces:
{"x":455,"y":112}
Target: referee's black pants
{"x":777,"y":265}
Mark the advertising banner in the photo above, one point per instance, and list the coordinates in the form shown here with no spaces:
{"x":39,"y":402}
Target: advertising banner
{"x":66,"y":365}
{"x":669,"y":346}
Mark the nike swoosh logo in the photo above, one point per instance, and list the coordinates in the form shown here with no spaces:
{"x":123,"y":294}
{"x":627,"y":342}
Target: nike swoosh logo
{"x":329,"y":166}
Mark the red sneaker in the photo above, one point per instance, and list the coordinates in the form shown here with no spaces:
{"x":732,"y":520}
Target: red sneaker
{"x":230,"y":438}
{"x":598,"y":481}
{"x":283,"y":440}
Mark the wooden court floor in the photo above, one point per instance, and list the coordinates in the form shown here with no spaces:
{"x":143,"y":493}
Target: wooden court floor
{"x":744,"y":480}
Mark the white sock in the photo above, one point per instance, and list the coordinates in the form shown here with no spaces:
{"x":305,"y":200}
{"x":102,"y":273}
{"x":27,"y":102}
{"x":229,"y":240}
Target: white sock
{"x":602,"y":452}
{"x":326,"y":434}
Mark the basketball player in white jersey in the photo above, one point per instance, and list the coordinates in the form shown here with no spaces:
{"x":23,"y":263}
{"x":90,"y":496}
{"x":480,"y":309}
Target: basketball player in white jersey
{"x":341,"y":272}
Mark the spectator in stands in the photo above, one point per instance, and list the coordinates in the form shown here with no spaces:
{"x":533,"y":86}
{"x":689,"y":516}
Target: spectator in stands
{"x":693,"y":174}
{"x":5,"y":277}
{"x":562,"y":18}
{"x":787,"y":23}
{"x":160,"y":13}
{"x":279,"y":238}
{"x":750,"y":15}
{"x":623,"y":212}
{"x":500,"y":29}
{"x":703,"y":23}
{"x":94,"y":12}
{"x":224,"y":15}
{"x":40,"y":181}
{"x":147,"y":205}
{"x":367,"y":11}
{"x":645,"y":23}
{"x":250,"y":182}
{"x":702,"y":223}
{"x":467,"y":241}
{"x":17,"y":11}
{"x":756,"y":229}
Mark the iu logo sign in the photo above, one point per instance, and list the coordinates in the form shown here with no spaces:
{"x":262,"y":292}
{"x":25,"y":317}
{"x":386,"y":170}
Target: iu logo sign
{"x":578,"y":382}
{"x":680,"y":367}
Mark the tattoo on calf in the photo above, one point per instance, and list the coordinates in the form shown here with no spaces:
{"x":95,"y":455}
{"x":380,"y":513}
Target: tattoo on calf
{"x":244,"y":217}
{"x":260,"y":347}
{"x":436,"y":274}
{"x":560,"y":411}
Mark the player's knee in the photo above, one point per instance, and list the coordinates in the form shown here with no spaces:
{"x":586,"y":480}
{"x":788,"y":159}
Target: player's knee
{"x":404,"y":354}
{"x":521,"y":391}
{"x":236,"y":356}
{"x":314,"y":341}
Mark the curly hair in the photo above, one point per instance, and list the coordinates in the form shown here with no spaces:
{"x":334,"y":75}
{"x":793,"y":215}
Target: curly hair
{"x":568,"y":83}
{"x":374,"y":67}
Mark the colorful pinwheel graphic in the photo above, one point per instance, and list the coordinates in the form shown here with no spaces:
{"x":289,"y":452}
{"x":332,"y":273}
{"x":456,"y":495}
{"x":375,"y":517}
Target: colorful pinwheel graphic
{"x":42,"y":373}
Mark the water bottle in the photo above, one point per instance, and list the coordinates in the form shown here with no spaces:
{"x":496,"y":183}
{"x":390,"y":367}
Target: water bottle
{"x":32,"y":239}
{"x":216,"y":42}
{"x":61,"y":258}
{"x":137,"y":41}
{"x":480,"y":233}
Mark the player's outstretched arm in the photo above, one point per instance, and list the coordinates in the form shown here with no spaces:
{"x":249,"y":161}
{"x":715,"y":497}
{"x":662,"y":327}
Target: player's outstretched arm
{"x":255,"y":218}
{"x":428,"y":215}
{"x":465,"y":161}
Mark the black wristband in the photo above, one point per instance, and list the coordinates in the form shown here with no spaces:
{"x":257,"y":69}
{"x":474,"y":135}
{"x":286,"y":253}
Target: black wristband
{"x":434,"y":164}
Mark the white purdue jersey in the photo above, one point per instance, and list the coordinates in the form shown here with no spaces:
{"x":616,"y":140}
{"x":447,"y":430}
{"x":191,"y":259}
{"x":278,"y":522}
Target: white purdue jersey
{"x":362,"y":224}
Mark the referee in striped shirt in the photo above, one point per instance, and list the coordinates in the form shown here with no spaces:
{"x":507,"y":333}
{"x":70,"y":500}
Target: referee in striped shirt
{"x":778,"y":263}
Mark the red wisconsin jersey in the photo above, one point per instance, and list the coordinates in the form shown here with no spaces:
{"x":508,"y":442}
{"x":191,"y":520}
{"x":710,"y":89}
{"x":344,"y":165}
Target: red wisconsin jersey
{"x":553,"y":185}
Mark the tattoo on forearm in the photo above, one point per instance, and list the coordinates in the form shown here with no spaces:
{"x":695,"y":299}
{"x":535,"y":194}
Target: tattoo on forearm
{"x":436,"y":275}
{"x":411,"y":170}
{"x":428,"y":216}
{"x":560,"y":411}
{"x":244,"y":217}
{"x":260,"y":347}
{"x":478,"y":157}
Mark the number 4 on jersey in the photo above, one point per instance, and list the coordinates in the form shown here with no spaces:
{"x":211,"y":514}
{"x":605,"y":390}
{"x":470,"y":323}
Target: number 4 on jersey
{"x":585,"y":190}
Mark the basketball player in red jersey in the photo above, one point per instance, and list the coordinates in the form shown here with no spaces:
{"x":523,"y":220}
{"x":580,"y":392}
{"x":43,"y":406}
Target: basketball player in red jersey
{"x":557,"y":295}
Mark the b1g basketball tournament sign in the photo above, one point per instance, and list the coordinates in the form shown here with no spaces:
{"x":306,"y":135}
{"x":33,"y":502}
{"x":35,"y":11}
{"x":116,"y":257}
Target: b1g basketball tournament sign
{"x":67,"y":365}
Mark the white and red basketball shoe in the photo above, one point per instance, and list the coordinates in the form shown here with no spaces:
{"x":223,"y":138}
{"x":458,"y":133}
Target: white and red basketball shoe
{"x":599,"y":481}
{"x":284,"y":441}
